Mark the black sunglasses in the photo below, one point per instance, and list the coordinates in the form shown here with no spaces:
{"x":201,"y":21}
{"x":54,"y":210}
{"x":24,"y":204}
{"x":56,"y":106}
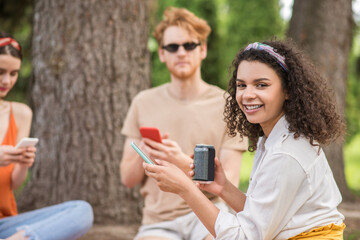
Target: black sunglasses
{"x":173,"y":47}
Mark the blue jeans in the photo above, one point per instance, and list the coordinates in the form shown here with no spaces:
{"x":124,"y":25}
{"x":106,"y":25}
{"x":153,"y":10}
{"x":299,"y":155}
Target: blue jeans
{"x":68,"y":220}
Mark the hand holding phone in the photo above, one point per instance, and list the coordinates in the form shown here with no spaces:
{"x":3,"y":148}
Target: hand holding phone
{"x":152,"y":133}
{"x":142,"y":154}
{"x":27,"y":142}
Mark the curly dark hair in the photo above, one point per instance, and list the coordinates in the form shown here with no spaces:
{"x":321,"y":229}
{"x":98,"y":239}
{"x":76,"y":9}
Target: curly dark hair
{"x":310,"y":109}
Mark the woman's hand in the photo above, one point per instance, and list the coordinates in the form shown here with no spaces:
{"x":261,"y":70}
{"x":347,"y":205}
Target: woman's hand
{"x":21,"y":167}
{"x":168,"y":177}
{"x":217,"y":186}
{"x":21,"y":156}
{"x":9,"y":154}
{"x":28,"y":157}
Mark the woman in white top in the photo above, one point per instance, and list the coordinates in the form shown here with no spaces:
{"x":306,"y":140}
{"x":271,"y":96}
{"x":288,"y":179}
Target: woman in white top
{"x":278,"y":100}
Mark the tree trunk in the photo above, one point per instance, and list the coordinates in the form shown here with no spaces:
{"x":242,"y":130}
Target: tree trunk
{"x":90,"y":58}
{"x":323,"y":28}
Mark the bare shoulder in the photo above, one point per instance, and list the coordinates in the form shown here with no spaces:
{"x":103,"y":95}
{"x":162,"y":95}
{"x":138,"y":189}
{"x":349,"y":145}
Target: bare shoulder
{"x":22,"y":112}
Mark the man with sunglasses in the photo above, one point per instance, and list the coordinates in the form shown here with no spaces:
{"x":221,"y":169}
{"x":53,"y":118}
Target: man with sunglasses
{"x":188,"y":111}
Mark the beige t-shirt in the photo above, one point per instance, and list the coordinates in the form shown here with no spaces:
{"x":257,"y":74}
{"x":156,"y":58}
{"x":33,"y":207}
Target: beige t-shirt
{"x":199,"y":121}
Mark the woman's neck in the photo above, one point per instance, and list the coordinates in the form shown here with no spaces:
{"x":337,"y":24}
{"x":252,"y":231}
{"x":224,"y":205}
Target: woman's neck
{"x":268,"y":127}
{"x":3,"y":103}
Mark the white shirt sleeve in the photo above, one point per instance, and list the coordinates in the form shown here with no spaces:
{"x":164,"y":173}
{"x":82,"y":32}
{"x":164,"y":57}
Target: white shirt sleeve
{"x":279,"y":187}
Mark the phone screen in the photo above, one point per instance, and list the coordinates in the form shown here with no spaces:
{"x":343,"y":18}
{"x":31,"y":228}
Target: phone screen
{"x":141,"y":153}
{"x":27,"y":142}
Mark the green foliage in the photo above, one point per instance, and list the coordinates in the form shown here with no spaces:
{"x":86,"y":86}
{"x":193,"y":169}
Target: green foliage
{"x":353,"y":90}
{"x":16,"y":19}
{"x":233,"y":22}
{"x":352,"y":163}
{"x":244,"y":22}
{"x":14,"y":14}
{"x":354,"y":235}
{"x":246,"y":165}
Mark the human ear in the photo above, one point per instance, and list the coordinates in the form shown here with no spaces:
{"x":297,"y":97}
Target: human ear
{"x":286,"y":94}
{"x":203,"y":50}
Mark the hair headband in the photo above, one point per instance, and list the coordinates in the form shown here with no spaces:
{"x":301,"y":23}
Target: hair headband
{"x":9,"y":41}
{"x":264,"y":47}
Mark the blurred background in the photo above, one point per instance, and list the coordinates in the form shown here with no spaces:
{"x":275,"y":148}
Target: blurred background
{"x":234,"y":24}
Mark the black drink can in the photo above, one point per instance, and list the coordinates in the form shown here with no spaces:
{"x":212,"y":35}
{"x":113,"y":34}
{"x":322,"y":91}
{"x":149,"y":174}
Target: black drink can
{"x":204,"y":163}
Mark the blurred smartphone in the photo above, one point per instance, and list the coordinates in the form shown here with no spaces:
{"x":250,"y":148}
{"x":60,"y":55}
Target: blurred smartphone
{"x":27,"y":142}
{"x":141,"y":153}
{"x":152,"y":133}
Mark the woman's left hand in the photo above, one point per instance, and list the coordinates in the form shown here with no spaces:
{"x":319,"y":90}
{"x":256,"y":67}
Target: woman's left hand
{"x":216,"y":187}
{"x":168,"y":177}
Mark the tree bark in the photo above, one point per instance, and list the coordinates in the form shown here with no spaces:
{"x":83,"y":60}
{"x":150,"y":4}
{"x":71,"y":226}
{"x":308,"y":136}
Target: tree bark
{"x":323,"y":28}
{"x":90,"y":59}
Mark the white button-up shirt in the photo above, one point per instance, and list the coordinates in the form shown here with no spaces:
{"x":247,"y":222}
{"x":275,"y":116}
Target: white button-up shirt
{"x":291,"y":190}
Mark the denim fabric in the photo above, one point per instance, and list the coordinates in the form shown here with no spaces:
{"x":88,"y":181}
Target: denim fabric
{"x":68,"y":220}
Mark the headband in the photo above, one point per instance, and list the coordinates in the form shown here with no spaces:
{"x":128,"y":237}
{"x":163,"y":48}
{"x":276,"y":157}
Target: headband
{"x":264,"y":47}
{"x":9,"y":41}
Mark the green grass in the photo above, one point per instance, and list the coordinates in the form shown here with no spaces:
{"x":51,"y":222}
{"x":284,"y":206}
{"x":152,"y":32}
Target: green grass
{"x":246,"y":165}
{"x":352,"y":164}
{"x":354,"y":235}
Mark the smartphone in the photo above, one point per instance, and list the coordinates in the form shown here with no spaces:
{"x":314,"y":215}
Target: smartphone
{"x":27,"y":142}
{"x":152,"y":133}
{"x":141,"y":153}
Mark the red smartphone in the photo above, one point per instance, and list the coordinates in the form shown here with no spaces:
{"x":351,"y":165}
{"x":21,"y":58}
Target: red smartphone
{"x":152,"y":133}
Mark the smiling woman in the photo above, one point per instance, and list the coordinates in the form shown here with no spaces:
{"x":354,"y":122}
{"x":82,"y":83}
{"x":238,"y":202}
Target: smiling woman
{"x":292,"y":193}
{"x":260,"y":94}
{"x":319,"y":120}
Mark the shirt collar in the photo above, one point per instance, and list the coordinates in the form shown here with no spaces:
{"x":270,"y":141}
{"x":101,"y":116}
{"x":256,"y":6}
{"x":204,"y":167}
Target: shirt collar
{"x":279,"y":132}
